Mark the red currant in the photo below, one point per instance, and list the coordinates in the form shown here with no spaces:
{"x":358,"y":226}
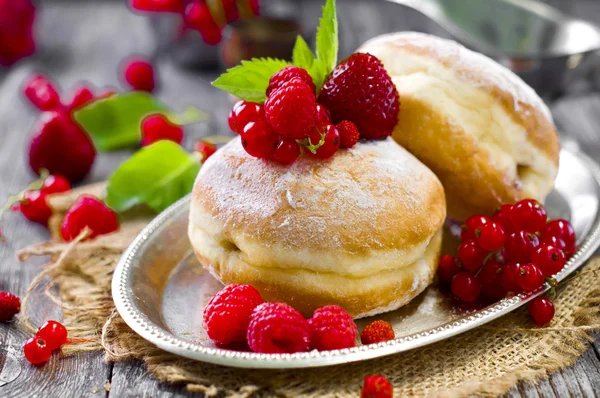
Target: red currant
{"x":447,"y":268}
{"x":502,"y":217}
{"x":508,"y":277}
{"x":471,"y":255}
{"x":197,"y":16}
{"x":82,"y":96}
{"x":490,"y":280}
{"x":158,"y":5}
{"x":36,"y":350}
{"x":520,"y":246}
{"x":548,"y":259}
{"x":87,"y":211}
{"x":34,"y":207}
{"x":323,"y":116}
{"x":205,"y":148}
{"x":53,"y":333}
{"x":561,"y":229}
{"x":139,"y":74}
{"x":286,"y":151}
{"x":490,"y":236}
{"x":471,"y":225}
{"x":259,"y":140}
{"x":567,"y":249}
{"x":528,"y":215}
{"x":530,"y":277}
{"x":243,"y":113}
{"x":331,"y":141}
{"x":466,"y":287}
{"x":541,"y":310}
{"x":55,"y":184}
{"x":157,"y":127}
{"x":41,"y":92}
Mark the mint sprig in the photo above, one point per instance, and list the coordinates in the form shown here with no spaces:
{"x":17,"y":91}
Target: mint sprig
{"x":327,"y":43}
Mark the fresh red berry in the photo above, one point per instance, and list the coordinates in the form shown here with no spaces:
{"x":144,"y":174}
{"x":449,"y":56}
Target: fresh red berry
{"x":330,"y":137}
{"x":471,"y":255}
{"x":332,"y":328}
{"x":549,"y":259}
{"x":323,"y":116}
{"x":158,"y":5}
{"x":541,"y":310}
{"x":472,"y":224}
{"x":528,"y":215}
{"x":277,"y":328}
{"x":349,"y":134}
{"x":490,"y":280}
{"x":377,"y":387}
{"x":508,"y":277}
{"x":53,"y":333}
{"x":530,"y":277}
{"x":60,"y":146}
{"x":285,"y":75}
{"x":254,"y":7}
{"x":139,"y":74}
{"x":244,"y":112}
{"x":520,"y":246}
{"x":466,"y":287}
{"x":55,"y":184}
{"x":376,"y":332}
{"x":227,"y":314}
{"x":42,"y":93}
{"x":502,"y":217}
{"x":286,"y":151}
{"x":10,"y":305}
{"x":36,"y":350}
{"x":157,"y":127}
{"x":87,"y":211}
{"x":230,"y":10}
{"x":491,"y":236}
{"x":292,"y":109}
{"x":448,"y":267}
{"x":259,"y":140}
{"x":34,"y":207}
{"x":561,"y":229}
{"x":16,"y":30}
{"x":197,"y":16}
{"x":567,"y":249}
{"x":360,"y":90}
{"x":205,"y":148}
{"x":81,"y":97}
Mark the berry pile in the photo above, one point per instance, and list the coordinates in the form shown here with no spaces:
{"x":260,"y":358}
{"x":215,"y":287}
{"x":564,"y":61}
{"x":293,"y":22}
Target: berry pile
{"x":208,"y":17}
{"x":16,"y":30}
{"x":513,"y":251}
{"x":50,"y":336}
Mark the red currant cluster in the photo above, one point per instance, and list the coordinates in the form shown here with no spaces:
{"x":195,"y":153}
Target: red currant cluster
{"x":16,"y":30}
{"x":291,"y":122}
{"x":208,"y":17}
{"x":512,"y":251}
{"x":50,"y":337}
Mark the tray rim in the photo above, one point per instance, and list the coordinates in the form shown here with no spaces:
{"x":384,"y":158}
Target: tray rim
{"x":153,"y":333}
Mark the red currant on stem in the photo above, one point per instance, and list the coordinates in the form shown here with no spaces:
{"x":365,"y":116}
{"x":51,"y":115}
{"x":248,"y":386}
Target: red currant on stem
{"x":447,"y":268}
{"x":466,"y":287}
{"x":42,"y":93}
{"x":55,"y":184}
{"x":541,"y":310}
{"x":471,"y":225}
{"x":158,"y":5}
{"x":520,"y":246}
{"x":502,"y":217}
{"x":471,"y":255}
{"x":560,"y":228}
{"x":244,"y":112}
{"x":323,"y":116}
{"x":528,"y":215}
{"x":530,"y":277}
{"x":548,"y":259}
{"x":197,"y":16}
{"x":157,"y":127}
{"x":53,"y":333}
{"x":489,"y":277}
{"x":87,"y":211}
{"x":567,"y":249}
{"x":508,"y":277}
{"x":34,"y":206}
{"x":139,"y":74}
{"x":82,"y":96}
{"x":490,"y":236}
{"x":286,"y":151}
{"x":36,"y":350}
{"x":259,"y":140}
{"x":205,"y":148}
{"x":324,"y":140}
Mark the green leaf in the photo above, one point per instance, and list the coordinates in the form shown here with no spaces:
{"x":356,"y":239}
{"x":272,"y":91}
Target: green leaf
{"x":157,"y":175}
{"x":249,"y":81}
{"x":302,"y":56}
{"x":327,"y":37}
{"x":318,"y":73}
{"x":114,"y":122}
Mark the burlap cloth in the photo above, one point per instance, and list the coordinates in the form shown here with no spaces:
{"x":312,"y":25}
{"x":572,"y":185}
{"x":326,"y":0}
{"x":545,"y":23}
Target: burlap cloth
{"x":486,"y":361}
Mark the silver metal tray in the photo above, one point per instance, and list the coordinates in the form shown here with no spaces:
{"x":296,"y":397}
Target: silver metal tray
{"x":160,"y":289}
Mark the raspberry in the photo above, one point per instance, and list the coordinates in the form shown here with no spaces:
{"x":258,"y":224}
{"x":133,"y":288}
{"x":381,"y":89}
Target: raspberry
{"x":87,"y":211}
{"x":10,"y":305}
{"x":259,"y":140}
{"x":81,"y":97}
{"x":361,"y":91}
{"x":332,"y":328}
{"x":158,"y":5}
{"x":277,"y":328}
{"x":292,"y":109}
{"x":157,"y":127}
{"x":349,"y":134}
{"x":139,"y":74}
{"x":16,"y":30}
{"x":227,"y":314}
{"x":376,"y":332}
{"x":377,"y":387}
{"x":287,"y":74}
{"x":42,"y":93}
{"x":36,"y":350}
{"x":197,"y":16}
{"x":53,"y":333}
{"x":60,"y":146}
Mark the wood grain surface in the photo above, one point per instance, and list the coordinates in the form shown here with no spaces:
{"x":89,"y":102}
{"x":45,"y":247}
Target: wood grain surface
{"x":86,"y":41}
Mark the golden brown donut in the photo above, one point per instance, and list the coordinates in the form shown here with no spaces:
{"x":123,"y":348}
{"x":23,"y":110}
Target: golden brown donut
{"x":486,"y":134}
{"x":362,"y":230}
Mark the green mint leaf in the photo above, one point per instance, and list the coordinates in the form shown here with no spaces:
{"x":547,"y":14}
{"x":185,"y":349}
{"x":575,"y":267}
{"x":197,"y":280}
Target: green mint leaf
{"x":302,"y":56}
{"x":114,"y":122}
{"x":157,"y":175}
{"x":318,"y":73}
{"x":327,"y":37}
{"x":249,"y":81}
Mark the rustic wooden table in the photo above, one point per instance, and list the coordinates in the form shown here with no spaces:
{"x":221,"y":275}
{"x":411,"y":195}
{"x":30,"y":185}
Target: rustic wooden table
{"x":86,"y":40}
